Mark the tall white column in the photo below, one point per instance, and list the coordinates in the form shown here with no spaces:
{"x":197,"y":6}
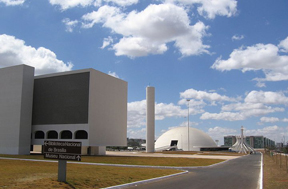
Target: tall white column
{"x":150,"y":119}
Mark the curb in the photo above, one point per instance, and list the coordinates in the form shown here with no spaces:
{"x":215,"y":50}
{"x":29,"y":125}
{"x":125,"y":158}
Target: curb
{"x":145,"y":181}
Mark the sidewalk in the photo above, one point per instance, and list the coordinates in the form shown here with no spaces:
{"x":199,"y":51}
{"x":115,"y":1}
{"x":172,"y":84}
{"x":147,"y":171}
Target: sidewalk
{"x":144,"y":154}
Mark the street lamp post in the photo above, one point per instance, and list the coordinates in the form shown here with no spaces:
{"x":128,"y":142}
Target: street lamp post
{"x":188,"y":125}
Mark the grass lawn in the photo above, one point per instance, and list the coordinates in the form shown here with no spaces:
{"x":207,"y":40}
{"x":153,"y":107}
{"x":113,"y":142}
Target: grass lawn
{"x":154,"y":161}
{"x":274,"y":177}
{"x":203,"y":153}
{"x":27,"y":174}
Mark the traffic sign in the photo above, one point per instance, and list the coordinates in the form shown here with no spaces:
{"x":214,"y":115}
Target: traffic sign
{"x":62,"y":150}
{"x":62,"y":156}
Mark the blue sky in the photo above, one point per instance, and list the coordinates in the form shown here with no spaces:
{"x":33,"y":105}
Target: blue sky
{"x":230,"y":58}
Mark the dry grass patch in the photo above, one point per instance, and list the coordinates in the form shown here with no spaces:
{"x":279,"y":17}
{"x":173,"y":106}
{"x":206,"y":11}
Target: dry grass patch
{"x":129,"y":160}
{"x":274,"y":177}
{"x":29,"y":174}
{"x":22,"y":174}
{"x":154,"y":161}
{"x":203,"y":153}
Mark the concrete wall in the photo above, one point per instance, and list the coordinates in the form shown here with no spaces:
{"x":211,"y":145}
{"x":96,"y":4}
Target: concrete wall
{"x":107,"y":107}
{"x":16,"y":95}
{"x":107,"y":110}
{"x":99,"y":101}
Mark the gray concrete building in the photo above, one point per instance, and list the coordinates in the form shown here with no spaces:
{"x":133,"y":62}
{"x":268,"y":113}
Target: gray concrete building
{"x":86,"y":106}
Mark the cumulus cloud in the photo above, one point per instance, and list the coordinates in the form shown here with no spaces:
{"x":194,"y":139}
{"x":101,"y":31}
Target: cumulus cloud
{"x":163,"y":110}
{"x":283,"y":45}
{"x":227,"y":116}
{"x":210,"y":9}
{"x":269,"y":119}
{"x":113,"y":74}
{"x":12,"y":2}
{"x":148,"y":32}
{"x":256,"y":103}
{"x":267,"y":97}
{"x":66,"y":4}
{"x":197,"y":103}
{"x":70,"y":24}
{"x":263,"y":57}
{"x":136,"y":132}
{"x":106,"y":42}
{"x":14,"y":52}
{"x":137,"y":112}
{"x":237,"y":37}
{"x":203,"y":95}
{"x":123,"y":2}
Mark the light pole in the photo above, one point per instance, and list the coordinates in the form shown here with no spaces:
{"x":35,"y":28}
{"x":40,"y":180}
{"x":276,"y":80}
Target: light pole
{"x":188,"y":125}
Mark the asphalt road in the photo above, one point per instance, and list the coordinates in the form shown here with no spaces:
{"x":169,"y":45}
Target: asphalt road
{"x":240,"y":173}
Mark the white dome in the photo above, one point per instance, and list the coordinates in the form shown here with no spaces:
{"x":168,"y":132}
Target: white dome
{"x":179,"y":135}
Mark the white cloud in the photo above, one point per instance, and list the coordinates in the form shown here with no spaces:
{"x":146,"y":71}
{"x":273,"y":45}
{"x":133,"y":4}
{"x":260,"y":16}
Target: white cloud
{"x":257,"y":57}
{"x":70,"y":24}
{"x":269,"y":119}
{"x":66,"y":4}
{"x":255,"y":104}
{"x":123,"y":2}
{"x":203,"y":95}
{"x":12,"y":2}
{"x":227,"y":116}
{"x":137,"y":112}
{"x":106,"y":42}
{"x":210,"y":9}
{"x":139,"y":133}
{"x":14,"y":52}
{"x":113,"y":74}
{"x":267,"y":97}
{"x":237,"y":37}
{"x":105,"y":14}
{"x":148,"y":32}
{"x":283,"y":45}
{"x":168,"y":110}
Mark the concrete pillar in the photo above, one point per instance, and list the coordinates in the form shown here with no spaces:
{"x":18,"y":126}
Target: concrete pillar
{"x":98,"y":150}
{"x":150,"y":119}
{"x":16,"y":100}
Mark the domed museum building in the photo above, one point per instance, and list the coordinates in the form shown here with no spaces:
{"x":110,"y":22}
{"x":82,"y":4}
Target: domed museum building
{"x":178,"y":137}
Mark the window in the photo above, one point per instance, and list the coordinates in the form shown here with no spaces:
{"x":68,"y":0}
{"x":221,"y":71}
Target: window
{"x":52,"y":135}
{"x":66,"y":134}
{"x":39,"y":135}
{"x":81,"y":134}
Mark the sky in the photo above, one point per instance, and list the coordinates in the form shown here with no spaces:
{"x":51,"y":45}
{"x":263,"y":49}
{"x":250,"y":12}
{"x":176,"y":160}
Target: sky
{"x":228,"y":57}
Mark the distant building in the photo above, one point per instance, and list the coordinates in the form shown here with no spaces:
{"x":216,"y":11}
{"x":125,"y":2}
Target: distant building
{"x":253,"y":141}
{"x":86,"y":106}
{"x":280,"y":145}
{"x":178,"y":138}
